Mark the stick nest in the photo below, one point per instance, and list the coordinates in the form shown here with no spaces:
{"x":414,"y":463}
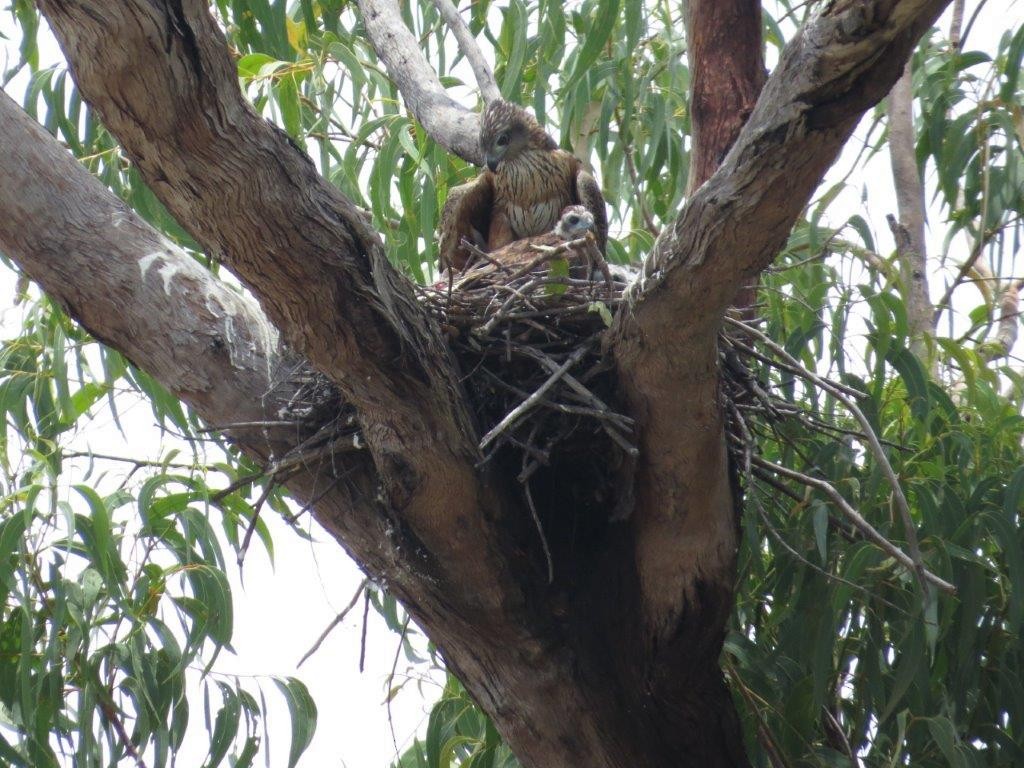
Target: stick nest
{"x":529,"y":349}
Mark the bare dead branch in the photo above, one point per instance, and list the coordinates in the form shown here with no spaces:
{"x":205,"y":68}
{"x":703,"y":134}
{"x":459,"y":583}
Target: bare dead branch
{"x":956,"y":24}
{"x":873,"y":443}
{"x":467,"y":45}
{"x":335,"y":622}
{"x":866,"y":529}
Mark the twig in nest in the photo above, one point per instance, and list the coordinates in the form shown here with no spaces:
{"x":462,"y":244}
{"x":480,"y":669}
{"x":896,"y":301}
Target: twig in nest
{"x":516,"y":413}
{"x":609,"y":419}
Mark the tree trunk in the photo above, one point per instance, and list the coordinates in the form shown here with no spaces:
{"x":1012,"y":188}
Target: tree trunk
{"x":616,"y":662}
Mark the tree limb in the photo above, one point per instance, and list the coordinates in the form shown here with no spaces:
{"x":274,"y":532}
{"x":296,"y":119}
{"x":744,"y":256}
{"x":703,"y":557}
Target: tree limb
{"x":911,"y":252}
{"x":467,"y":44}
{"x":447,"y":122}
{"x":169,"y":91}
{"x":835,"y":68}
{"x":131,"y":288}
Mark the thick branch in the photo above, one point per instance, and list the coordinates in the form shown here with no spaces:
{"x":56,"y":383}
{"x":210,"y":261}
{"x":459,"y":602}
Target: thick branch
{"x":724,"y":49}
{"x":835,"y":68}
{"x":216,"y":350}
{"x":134,"y":290}
{"x":447,"y":122}
{"x":169,"y":91}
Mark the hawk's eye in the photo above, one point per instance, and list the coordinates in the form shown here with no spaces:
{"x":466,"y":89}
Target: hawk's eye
{"x":502,"y":140}
{"x":573,"y":220}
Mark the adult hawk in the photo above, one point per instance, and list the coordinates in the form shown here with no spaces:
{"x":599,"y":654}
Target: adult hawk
{"x":527,"y":183}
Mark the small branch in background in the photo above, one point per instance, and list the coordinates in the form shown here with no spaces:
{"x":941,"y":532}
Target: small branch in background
{"x":337,"y":620}
{"x":756,"y":704}
{"x":137,"y":463}
{"x":628,"y":154}
{"x":587,"y":127}
{"x":837,"y":736}
{"x":980,"y":241}
{"x":911,"y":251}
{"x":114,"y":719}
{"x":391,"y":685}
{"x":914,"y":280}
{"x":956,"y":25}
{"x":863,"y":526}
{"x":874,"y":445}
{"x":468,"y":47}
{"x":1009,"y":323}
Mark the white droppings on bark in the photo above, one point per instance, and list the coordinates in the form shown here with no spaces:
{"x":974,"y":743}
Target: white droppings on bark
{"x":145,"y":262}
{"x":261,"y":337}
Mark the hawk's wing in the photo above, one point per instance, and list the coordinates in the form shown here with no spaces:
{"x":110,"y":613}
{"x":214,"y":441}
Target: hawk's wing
{"x":466,"y":214}
{"x":590,"y":197}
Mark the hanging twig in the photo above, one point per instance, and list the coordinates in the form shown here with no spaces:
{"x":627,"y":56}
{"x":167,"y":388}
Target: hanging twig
{"x":867,"y":530}
{"x":337,"y":620}
{"x":362,"y":636}
{"x":271,"y":484}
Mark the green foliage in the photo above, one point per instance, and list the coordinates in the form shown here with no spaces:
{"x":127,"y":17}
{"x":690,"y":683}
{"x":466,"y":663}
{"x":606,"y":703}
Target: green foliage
{"x":113,"y":601}
{"x":458,"y":733}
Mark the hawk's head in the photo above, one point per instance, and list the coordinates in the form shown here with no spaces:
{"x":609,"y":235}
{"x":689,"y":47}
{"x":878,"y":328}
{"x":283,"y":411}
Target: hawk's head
{"x":574,"y":223}
{"x":506,"y":131}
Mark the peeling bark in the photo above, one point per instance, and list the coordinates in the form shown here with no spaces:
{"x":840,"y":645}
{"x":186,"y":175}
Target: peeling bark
{"x":724,"y":47}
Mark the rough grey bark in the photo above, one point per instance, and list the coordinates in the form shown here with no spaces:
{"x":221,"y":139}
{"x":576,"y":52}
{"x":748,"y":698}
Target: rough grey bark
{"x":911,"y":249}
{"x":628,"y":645}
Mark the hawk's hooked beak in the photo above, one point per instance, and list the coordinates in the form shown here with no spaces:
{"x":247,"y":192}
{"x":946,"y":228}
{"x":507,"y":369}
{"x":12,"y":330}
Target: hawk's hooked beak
{"x":492,"y":162}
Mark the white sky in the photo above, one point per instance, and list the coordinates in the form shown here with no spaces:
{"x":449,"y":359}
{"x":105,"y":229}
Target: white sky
{"x":279,"y":613}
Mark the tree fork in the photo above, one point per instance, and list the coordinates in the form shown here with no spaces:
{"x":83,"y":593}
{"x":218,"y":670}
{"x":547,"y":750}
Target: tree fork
{"x":621,"y":676}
